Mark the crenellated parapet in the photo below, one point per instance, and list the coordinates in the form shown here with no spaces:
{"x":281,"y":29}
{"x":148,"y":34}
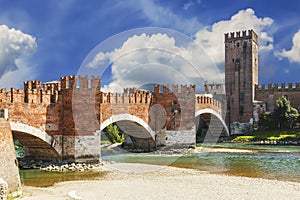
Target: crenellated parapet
{"x":174,"y":89}
{"x":52,"y":86}
{"x":271,"y":92}
{"x":79,"y":82}
{"x":250,"y":34}
{"x":32,"y":85}
{"x":274,"y":87}
{"x":129,"y":96}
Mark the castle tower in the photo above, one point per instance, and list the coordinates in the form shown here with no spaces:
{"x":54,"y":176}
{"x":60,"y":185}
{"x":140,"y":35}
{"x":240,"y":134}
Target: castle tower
{"x":241,"y":74}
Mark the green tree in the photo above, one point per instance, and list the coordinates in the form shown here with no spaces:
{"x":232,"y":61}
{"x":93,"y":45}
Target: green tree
{"x":112,"y":132}
{"x":293,"y":118}
{"x":266,"y":120}
{"x":285,"y":115}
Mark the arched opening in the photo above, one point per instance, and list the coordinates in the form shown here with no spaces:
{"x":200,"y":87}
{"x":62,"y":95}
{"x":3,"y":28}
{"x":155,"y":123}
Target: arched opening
{"x":138,"y":136}
{"x":209,"y":126}
{"x":34,"y":144}
{"x":35,"y":148}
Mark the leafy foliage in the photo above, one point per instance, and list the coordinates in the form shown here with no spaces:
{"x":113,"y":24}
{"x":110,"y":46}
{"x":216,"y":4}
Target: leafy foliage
{"x":112,"y":132}
{"x":19,"y":149}
{"x":283,"y":117}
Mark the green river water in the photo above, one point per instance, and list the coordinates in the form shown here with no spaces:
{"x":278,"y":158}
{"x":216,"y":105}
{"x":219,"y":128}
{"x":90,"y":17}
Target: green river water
{"x":261,"y":161}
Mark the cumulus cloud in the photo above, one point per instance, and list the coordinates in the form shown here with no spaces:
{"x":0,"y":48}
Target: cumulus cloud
{"x":163,"y":59}
{"x":294,"y":53}
{"x":212,"y":38}
{"x":156,"y":59}
{"x":14,"y":47}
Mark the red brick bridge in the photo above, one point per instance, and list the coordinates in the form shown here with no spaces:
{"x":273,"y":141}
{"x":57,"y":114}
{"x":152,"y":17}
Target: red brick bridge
{"x":63,"y":119}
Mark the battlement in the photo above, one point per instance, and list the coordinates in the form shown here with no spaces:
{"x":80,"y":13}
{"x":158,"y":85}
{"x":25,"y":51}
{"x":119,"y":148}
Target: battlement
{"x":250,"y":34}
{"x":31,"y":85}
{"x":174,"y":89}
{"x":214,"y":88}
{"x":130,"y":95}
{"x":52,"y":86}
{"x":81,"y":82}
{"x":274,"y":87}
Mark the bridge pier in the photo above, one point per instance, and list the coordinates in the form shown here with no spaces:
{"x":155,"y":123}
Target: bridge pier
{"x":83,"y":148}
{"x":176,"y":138}
{"x":8,"y":163}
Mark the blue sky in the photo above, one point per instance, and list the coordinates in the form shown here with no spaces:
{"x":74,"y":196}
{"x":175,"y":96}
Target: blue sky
{"x":47,"y":39}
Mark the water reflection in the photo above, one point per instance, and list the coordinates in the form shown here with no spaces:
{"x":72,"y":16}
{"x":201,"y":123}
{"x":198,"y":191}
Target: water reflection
{"x":40,"y":178}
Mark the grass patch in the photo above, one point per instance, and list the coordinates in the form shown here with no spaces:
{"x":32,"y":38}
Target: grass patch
{"x":267,"y":135}
{"x":244,"y":138}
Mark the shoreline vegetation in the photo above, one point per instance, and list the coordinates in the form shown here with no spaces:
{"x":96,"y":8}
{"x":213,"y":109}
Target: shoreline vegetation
{"x":288,"y":137}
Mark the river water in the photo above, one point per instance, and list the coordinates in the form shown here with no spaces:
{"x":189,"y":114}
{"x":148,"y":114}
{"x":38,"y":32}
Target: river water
{"x":260,"y":161}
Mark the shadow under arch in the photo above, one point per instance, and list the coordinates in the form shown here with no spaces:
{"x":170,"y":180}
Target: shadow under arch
{"x":216,"y":124}
{"x":38,"y":144}
{"x":127,"y":117}
{"x":140,"y":133}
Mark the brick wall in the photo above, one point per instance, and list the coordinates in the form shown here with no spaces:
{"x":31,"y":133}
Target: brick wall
{"x":179,"y":106}
{"x":8,"y":163}
{"x":270,"y":94}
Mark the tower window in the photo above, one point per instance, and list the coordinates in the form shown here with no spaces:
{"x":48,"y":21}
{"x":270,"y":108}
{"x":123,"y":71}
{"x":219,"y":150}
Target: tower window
{"x":245,"y":44}
{"x":241,"y":109}
{"x":238,"y":45}
{"x":242,"y":96}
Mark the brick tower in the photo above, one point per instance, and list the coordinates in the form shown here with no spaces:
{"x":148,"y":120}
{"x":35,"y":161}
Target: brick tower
{"x":241,"y":74}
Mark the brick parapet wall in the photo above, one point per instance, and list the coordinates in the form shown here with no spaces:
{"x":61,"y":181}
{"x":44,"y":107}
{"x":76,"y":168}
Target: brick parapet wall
{"x":179,"y":105}
{"x":203,"y":102}
{"x":136,"y":102}
{"x":274,"y":87}
{"x":270,"y":94}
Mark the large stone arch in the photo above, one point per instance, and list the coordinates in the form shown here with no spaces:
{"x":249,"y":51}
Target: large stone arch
{"x":128,"y":117}
{"x":216,"y":114}
{"x":39,"y":142}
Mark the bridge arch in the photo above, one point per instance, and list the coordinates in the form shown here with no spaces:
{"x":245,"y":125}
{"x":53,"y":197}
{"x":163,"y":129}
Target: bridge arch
{"x":128,"y":117}
{"x":39,"y":144}
{"x":216,"y":114}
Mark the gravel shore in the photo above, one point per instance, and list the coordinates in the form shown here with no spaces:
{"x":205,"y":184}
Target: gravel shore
{"x":139,"y":181}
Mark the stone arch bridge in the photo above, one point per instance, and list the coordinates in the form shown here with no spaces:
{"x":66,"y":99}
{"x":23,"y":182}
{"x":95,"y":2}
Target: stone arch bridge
{"x":63,"y":120}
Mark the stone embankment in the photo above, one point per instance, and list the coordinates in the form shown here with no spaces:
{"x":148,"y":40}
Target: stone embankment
{"x":59,"y":167}
{"x":71,"y":167}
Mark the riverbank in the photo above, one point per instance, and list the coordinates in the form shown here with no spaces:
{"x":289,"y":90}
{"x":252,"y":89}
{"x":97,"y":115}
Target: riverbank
{"x":164,"y":182}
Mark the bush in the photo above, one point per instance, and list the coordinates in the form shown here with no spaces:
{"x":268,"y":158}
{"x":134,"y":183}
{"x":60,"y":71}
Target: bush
{"x":284,"y":116}
{"x":112,"y":132}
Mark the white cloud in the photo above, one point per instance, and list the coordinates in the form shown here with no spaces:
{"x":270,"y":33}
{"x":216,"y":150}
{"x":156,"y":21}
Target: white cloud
{"x":158,"y":58}
{"x":294,"y":53}
{"x":14,"y":47}
{"x":14,"y":79}
{"x":212,"y":37}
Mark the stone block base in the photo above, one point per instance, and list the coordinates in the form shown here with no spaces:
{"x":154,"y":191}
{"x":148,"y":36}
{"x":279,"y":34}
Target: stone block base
{"x":181,"y":138}
{"x":82,"y":148}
